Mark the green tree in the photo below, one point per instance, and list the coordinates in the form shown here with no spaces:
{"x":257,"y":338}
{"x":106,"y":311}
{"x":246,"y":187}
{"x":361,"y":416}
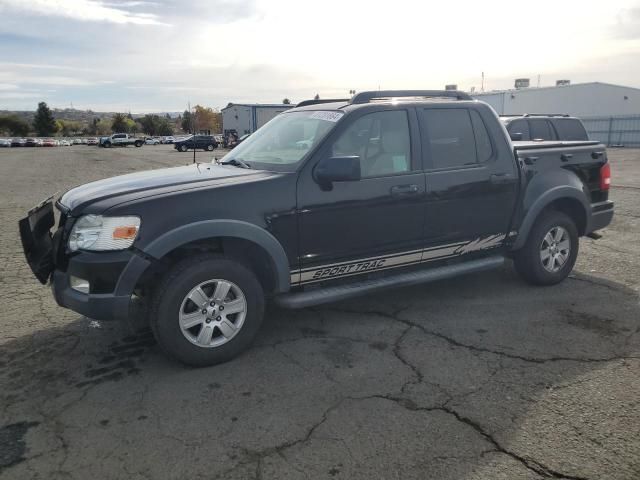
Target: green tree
{"x":286,"y":101}
{"x":103,"y":127}
{"x":14,"y":126}
{"x":119,"y":123}
{"x":68,"y":127}
{"x":165,"y":127}
{"x":43,"y":122}
{"x":186,"y":121}
{"x":92,"y":128}
{"x":156,"y":125}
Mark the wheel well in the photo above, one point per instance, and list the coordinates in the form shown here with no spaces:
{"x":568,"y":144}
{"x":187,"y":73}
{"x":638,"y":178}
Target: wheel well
{"x":574,"y":209}
{"x":244,"y":251}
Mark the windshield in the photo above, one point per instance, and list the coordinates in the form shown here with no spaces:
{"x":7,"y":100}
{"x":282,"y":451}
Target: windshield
{"x":284,"y":141}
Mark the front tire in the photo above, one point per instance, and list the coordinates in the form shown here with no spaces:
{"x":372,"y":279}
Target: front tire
{"x":207,"y":310}
{"x":138,"y":144}
{"x":209,"y":148}
{"x":551,"y":250}
{"x":106,"y":144}
{"x":182,"y":148}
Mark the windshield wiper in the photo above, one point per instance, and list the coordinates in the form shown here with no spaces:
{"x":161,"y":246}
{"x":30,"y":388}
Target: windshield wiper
{"x":236,"y":162}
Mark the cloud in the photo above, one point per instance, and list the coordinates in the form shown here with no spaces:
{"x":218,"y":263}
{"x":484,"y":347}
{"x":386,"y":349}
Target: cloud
{"x":85,"y":10}
{"x":628,"y":24}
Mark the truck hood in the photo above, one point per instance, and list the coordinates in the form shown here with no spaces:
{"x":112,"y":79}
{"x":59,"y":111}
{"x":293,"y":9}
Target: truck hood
{"x":151,"y":182}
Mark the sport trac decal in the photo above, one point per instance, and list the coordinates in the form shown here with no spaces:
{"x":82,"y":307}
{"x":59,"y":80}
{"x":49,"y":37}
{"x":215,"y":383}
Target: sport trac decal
{"x":345,"y":269}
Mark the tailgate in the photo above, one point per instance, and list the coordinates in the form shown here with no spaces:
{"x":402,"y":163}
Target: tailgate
{"x":35,"y":233}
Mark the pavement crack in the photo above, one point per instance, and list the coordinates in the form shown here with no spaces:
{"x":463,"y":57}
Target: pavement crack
{"x":456,"y":343}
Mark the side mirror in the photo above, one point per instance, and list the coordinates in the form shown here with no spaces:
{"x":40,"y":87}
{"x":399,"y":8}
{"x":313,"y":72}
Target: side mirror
{"x":337,"y":169}
{"x":516,"y":136}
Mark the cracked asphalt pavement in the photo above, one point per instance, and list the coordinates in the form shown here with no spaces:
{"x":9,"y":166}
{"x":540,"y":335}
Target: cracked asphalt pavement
{"x":481,"y":377}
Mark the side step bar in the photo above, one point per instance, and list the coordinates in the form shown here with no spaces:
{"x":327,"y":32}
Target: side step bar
{"x":342,"y":292}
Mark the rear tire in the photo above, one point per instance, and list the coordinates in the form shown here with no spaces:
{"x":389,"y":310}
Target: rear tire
{"x":209,"y":148}
{"x":214,"y":337}
{"x":551,"y":250}
{"x":138,"y":144}
{"x":106,"y":144}
{"x":182,"y":148}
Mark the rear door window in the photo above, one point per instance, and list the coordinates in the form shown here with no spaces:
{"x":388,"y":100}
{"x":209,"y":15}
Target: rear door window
{"x":541,"y":130}
{"x":520,"y":126}
{"x":450,"y":137}
{"x":483,"y":142}
{"x":570,"y":129}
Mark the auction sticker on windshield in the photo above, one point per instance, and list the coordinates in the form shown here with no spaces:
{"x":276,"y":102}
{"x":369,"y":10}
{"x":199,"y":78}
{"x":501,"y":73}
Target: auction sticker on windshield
{"x":328,"y":116}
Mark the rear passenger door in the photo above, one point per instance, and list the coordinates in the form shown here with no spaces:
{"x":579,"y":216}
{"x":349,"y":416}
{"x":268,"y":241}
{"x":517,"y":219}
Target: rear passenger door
{"x":471,"y":180}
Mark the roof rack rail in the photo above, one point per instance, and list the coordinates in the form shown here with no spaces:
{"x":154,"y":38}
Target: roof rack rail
{"x":366,"y":97}
{"x":546,"y":115}
{"x":304,"y":103}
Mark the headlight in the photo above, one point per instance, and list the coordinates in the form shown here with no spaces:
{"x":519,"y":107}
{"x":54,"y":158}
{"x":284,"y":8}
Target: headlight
{"x":97,"y":233}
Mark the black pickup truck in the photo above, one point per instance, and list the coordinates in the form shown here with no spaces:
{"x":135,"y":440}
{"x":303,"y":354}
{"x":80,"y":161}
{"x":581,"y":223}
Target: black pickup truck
{"x":327,"y":201}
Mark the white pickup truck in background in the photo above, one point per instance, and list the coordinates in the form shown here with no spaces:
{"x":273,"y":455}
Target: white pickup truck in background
{"x":120,"y":140}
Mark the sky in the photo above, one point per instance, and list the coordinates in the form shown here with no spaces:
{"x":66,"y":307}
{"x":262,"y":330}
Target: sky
{"x":159,"y":55}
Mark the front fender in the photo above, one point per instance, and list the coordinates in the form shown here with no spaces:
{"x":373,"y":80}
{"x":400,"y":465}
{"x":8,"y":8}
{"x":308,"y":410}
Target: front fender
{"x":226,"y":228}
{"x":543,"y":191}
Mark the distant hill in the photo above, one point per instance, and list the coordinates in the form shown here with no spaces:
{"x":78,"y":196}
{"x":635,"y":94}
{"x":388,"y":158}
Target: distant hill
{"x":77,"y":115}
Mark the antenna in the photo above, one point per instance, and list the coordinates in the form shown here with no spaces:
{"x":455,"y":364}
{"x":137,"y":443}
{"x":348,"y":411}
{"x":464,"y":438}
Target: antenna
{"x":482,"y":87}
{"x":193,"y":132}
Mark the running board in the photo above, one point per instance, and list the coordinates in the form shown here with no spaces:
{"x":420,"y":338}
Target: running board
{"x":342,"y":292}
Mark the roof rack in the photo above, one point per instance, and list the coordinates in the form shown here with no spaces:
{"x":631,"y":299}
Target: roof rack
{"x":546,"y":115}
{"x":366,"y":97}
{"x":304,"y":103}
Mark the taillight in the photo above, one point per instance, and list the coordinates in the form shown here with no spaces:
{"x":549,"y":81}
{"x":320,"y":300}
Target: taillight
{"x":605,"y":176}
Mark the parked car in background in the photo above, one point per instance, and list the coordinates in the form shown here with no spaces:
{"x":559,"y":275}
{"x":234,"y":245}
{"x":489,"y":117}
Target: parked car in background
{"x":197,"y":142}
{"x":92,"y":141}
{"x":120,"y":140}
{"x":18,"y":142}
{"x":31,"y":142}
{"x":5,"y":142}
{"x":48,"y":142}
{"x":152,"y":141}
{"x":536,"y":126}
{"x":77,"y":141}
{"x":65,"y":143}
{"x":168,"y":139}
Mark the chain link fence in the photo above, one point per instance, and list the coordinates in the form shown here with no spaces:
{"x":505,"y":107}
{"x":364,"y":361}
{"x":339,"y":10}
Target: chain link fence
{"x":616,"y":131}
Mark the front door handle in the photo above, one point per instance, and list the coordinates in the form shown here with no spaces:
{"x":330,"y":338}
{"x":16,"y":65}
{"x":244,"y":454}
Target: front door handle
{"x":502,"y":179}
{"x":404,"y":190}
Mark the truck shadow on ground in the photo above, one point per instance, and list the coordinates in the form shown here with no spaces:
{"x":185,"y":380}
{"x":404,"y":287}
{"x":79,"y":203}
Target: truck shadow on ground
{"x":480,"y":376}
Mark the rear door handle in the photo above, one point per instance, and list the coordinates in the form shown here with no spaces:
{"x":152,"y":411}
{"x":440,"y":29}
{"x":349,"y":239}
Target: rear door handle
{"x":502,"y":179}
{"x":404,"y":190}
{"x":565,"y":157}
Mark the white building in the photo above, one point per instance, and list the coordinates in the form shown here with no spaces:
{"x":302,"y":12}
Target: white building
{"x":247,"y":118}
{"x":580,"y":100}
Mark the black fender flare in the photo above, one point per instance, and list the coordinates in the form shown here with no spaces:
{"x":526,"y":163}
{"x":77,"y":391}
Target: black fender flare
{"x":226,"y":228}
{"x":548,"y":197}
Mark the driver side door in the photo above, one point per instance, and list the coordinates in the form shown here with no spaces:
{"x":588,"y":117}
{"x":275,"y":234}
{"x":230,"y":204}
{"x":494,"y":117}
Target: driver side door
{"x":371,"y":224}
